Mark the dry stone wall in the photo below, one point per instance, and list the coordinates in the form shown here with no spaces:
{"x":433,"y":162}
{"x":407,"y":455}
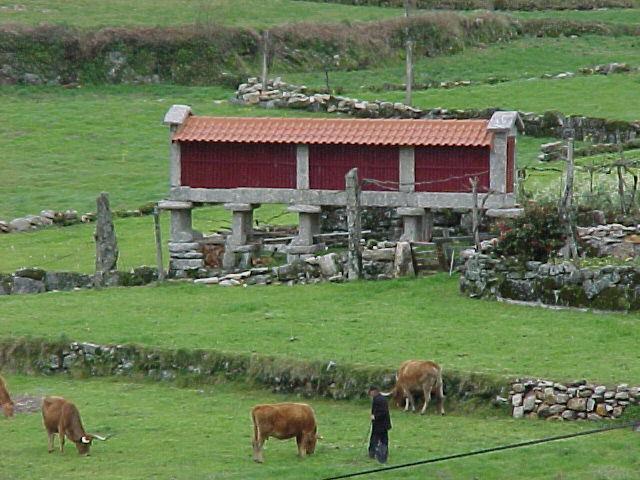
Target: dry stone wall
{"x":564,"y":284}
{"x":572,"y":401}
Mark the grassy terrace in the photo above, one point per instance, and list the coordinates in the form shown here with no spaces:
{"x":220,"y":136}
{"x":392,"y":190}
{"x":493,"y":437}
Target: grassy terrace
{"x":253,"y":13}
{"x":520,"y":59}
{"x":613,"y":97}
{"x":430,"y":319}
{"x":210,"y":438}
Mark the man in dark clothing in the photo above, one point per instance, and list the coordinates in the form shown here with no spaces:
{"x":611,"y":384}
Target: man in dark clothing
{"x":380,"y":426}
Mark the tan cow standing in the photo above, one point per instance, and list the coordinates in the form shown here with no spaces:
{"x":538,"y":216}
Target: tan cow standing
{"x":418,"y":375}
{"x":5,"y":400}
{"x":282,"y":421}
{"x":62,"y":417}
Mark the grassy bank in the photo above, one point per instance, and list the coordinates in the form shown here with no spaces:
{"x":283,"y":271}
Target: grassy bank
{"x":164,"y":432}
{"x":126,"y":13}
{"x":387,"y":321}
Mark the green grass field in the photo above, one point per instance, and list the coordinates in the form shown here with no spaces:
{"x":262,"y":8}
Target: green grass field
{"x":73,"y":248}
{"x":613,"y":15}
{"x":63,"y":147}
{"x":388,"y":321}
{"x":520,"y":59}
{"x":251,"y":13}
{"x":613,"y":97}
{"x":160,"y":431}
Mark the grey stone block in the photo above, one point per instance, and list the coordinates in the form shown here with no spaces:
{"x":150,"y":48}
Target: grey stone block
{"x":22,"y":285}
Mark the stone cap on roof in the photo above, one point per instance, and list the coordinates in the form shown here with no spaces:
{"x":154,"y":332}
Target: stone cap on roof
{"x":177,"y":114}
{"x":503,"y":121}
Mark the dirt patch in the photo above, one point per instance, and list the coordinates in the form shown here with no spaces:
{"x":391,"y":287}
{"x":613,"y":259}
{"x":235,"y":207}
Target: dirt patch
{"x":27,"y":404}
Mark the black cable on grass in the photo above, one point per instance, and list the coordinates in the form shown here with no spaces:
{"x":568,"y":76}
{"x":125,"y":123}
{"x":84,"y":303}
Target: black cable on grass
{"x":634,"y":423}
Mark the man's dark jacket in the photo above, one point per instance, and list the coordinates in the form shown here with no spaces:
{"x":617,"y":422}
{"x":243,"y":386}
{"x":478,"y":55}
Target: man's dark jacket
{"x":380,"y":412}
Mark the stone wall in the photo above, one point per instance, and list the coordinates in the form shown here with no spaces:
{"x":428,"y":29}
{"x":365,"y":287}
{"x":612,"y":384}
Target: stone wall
{"x":572,"y":401}
{"x":616,"y":240}
{"x":564,"y":284}
{"x":284,"y":375}
{"x":279,"y":94}
{"x":37,"y":280}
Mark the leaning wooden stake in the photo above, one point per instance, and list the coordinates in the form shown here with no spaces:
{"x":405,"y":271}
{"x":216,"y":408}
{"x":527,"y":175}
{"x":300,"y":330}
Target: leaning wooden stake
{"x":565,"y":207}
{"x":474,"y":213}
{"x":265,"y":59}
{"x":159,"y":261}
{"x":409,"y":55}
{"x":352,"y":187}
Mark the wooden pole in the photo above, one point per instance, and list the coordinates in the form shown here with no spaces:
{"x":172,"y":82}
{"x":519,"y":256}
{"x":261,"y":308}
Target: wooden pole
{"x":352,"y":187}
{"x":409,"y":55}
{"x":566,"y":204}
{"x":159,"y":261}
{"x":265,"y":58}
{"x":474,"y":213}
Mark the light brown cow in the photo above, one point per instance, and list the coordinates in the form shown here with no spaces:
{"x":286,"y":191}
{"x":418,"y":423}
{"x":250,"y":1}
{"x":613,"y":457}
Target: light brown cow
{"x":418,"y":376}
{"x":62,"y":417}
{"x":282,"y":421}
{"x":5,"y":400}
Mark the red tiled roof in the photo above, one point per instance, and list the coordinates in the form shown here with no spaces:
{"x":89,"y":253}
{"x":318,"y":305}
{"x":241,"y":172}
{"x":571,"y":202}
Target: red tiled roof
{"x":459,"y":133}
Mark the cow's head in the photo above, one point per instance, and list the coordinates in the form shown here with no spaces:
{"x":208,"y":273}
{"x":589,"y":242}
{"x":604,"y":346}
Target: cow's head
{"x":310,"y":442}
{"x":7,"y":409}
{"x":84,"y":444}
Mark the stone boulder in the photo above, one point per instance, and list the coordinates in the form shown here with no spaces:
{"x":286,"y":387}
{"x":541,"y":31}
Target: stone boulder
{"x":24,"y":285}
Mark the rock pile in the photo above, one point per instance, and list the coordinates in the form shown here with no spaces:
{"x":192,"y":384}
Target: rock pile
{"x":382,"y":261}
{"x":550,"y":152}
{"x":611,"y":240}
{"x":572,"y":401}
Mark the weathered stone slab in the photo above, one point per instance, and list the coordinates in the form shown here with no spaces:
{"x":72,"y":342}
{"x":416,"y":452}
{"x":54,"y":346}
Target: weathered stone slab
{"x":23,"y":285}
{"x":183,"y":247}
{"x":329,"y":265}
{"x":379,"y":255}
{"x":186,"y":264}
{"x":403,"y":262}
{"x":32,"y":273}
{"x":67,"y":280}
{"x":304,"y":209}
{"x":174,"y":205}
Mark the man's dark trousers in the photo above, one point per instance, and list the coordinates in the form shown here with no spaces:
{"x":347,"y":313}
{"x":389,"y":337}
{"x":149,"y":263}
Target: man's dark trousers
{"x":379,"y":446}
{"x":380,"y":426}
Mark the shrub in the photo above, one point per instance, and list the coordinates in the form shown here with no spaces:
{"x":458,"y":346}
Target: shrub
{"x":534,"y":236}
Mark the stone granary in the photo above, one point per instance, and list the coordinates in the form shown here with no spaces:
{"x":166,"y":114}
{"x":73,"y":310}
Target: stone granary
{"x":412,"y":165}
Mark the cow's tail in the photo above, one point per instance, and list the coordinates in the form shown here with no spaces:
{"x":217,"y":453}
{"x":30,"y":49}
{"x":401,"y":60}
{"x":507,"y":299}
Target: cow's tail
{"x":256,"y":429}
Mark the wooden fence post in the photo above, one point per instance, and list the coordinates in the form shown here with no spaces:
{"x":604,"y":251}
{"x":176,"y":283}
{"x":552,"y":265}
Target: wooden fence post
{"x":265,"y":59}
{"x":409,"y":56}
{"x":352,"y":187}
{"x":474,"y":213}
{"x":159,"y":261}
{"x":565,"y":207}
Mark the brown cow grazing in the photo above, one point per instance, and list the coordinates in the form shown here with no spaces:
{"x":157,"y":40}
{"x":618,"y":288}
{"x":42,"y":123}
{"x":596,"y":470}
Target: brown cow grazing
{"x":282,"y":421}
{"x":418,"y":375}
{"x":62,"y":417}
{"x":5,"y":400}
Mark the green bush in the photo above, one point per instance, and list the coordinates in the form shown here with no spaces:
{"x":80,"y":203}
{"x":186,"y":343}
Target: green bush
{"x":534,"y":236}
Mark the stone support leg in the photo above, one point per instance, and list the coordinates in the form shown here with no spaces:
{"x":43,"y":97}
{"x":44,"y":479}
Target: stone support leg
{"x":428,"y":225}
{"x":184,"y":250}
{"x":413,"y":221}
{"x":308,"y":226}
{"x":237,"y":246}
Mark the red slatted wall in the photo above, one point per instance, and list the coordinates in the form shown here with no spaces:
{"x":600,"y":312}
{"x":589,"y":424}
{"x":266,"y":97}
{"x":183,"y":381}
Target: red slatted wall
{"x":328,"y":164}
{"x":511,"y":160}
{"x":231,"y":165}
{"x":439,"y":163}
